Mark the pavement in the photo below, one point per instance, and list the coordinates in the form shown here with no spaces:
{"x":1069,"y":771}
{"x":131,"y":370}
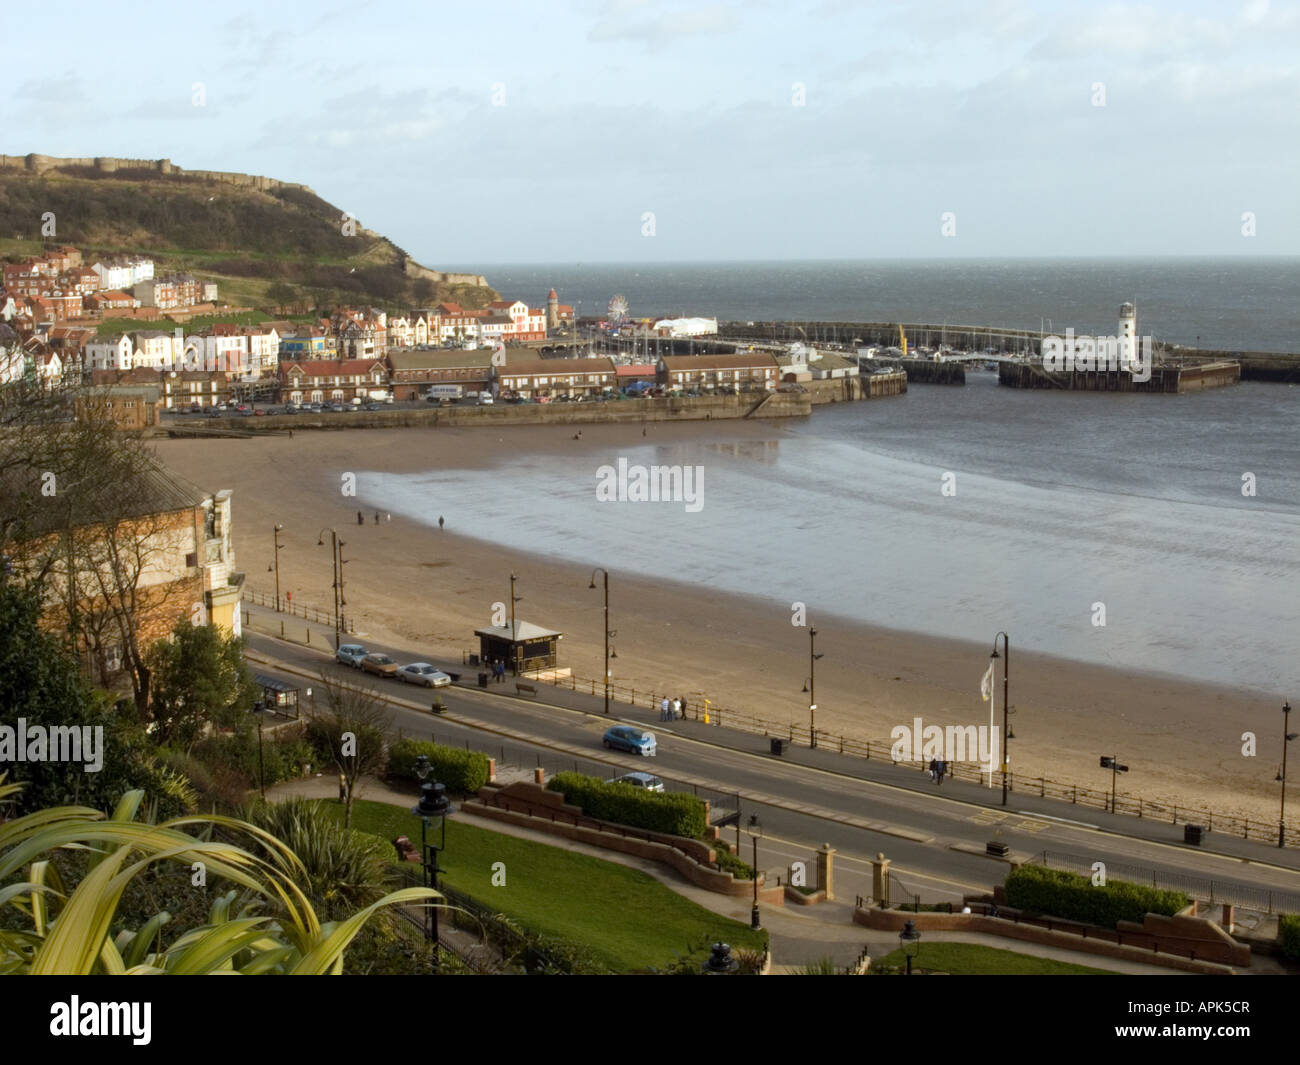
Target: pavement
{"x":798,"y":935}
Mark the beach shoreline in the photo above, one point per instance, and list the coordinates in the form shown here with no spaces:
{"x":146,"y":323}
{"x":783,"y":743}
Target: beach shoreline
{"x":418,"y":586}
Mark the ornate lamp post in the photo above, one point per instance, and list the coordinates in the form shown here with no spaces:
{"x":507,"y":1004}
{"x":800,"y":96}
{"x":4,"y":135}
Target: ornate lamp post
{"x":340,"y":620}
{"x":1007,"y":734}
{"x":1287,"y":737}
{"x":608,"y":631}
{"x":755,"y":831}
{"x":811,"y":686}
{"x":275,"y":537}
{"x":433,"y":803}
{"x":910,"y":940}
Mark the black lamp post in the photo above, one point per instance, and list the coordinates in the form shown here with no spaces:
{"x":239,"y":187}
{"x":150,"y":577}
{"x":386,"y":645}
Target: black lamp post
{"x":258,"y":708}
{"x":608,"y":631}
{"x":812,"y":687}
{"x":1287,"y":737}
{"x":334,"y":558}
{"x":433,"y":803}
{"x":1007,"y":734}
{"x":910,"y":940}
{"x":275,"y":537}
{"x":1112,"y":763}
{"x":514,"y":631}
{"x":755,"y":831}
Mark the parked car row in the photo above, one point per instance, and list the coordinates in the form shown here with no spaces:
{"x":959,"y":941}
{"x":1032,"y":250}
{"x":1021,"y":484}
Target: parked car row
{"x":381,"y":665}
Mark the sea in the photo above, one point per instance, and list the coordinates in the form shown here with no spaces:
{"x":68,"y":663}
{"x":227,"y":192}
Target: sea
{"x":1157,"y":533}
{"x":1227,"y":304}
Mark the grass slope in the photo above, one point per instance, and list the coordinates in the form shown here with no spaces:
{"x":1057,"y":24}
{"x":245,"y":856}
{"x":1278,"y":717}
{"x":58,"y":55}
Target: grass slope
{"x":971,"y":959}
{"x":628,"y":920}
{"x":246,"y":239}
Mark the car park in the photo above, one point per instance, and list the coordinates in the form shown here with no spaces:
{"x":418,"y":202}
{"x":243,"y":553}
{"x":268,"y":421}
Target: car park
{"x":631,"y":739}
{"x":645,"y":781}
{"x":425,"y":674}
{"x":350,"y":654}
{"x":381,"y":665}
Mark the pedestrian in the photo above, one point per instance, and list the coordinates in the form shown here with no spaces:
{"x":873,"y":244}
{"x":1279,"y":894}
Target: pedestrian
{"x":664,"y":707}
{"x":943,"y":770}
{"x":441,"y":521}
{"x":676,"y":711}
{"x":376,"y":517}
{"x":934,"y":768}
{"x":683,"y":702}
{"x":388,"y":517}
{"x":360,"y":518}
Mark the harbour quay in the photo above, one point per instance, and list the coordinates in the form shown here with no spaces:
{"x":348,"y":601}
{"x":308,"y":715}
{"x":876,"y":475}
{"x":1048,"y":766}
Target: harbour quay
{"x":1168,"y":377}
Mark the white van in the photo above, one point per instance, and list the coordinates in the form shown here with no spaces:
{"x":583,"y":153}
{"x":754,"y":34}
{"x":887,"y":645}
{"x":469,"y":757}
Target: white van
{"x":485,"y":399}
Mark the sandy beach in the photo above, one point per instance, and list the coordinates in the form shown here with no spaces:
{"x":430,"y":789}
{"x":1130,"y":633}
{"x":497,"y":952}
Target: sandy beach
{"x":418,"y":586}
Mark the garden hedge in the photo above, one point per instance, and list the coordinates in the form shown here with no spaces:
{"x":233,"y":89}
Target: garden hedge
{"x":462,"y":771}
{"x":1060,"y":894}
{"x":672,"y":813}
{"x":1288,"y":935}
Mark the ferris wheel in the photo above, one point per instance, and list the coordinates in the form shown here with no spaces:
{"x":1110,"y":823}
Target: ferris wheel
{"x":617,"y":311}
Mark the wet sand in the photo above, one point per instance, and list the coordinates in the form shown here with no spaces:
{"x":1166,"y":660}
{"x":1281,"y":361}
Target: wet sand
{"x":421,"y":587}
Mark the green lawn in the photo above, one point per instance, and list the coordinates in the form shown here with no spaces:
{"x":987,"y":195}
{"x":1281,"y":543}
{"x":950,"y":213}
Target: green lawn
{"x":971,"y":959}
{"x":626,"y":919}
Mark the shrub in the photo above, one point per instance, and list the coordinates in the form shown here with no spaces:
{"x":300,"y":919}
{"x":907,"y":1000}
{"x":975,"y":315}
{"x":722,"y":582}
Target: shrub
{"x":462,"y":771}
{"x":672,"y":813}
{"x":729,"y":863}
{"x":1288,"y":935}
{"x":1069,"y":895}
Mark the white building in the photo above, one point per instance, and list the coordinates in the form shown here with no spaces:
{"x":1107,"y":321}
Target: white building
{"x":118,"y":274}
{"x":687,"y":327}
{"x":154,"y":349}
{"x":263,"y":350}
{"x":110,"y":353}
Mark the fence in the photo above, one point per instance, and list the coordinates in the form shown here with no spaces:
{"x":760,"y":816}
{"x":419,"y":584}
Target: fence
{"x":295,"y":609}
{"x":1247,"y":896}
{"x":802,"y":735}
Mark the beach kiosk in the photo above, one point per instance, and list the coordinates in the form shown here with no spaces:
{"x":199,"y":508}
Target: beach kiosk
{"x":522,"y":645}
{"x":279,"y":695}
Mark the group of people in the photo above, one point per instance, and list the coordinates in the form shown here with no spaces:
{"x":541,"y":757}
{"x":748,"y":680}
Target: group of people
{"x":672,"y":709}
{"x":361,"y":518}
{"x":498,"y":670}
{"x":938,"y":770}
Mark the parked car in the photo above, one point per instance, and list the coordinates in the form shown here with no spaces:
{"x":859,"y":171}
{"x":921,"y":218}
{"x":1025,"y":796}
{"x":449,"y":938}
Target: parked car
{"x":379,"y":664}
{"x":630,"y":739}
{"x":484,"y":400}
{"x":290,"y":409}
{"x":338,"y":408}
{"x":647,"y":781}
{"x":260,"y":411}
{"x":372,"y":406}
{"x":350,"y":654}
{"x":424,"y":673}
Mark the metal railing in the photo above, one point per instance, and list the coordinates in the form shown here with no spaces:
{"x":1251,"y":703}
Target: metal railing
{"x":294,"y":609}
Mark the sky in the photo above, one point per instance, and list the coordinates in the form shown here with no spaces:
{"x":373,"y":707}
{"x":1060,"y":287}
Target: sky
{"x":629,"y":131}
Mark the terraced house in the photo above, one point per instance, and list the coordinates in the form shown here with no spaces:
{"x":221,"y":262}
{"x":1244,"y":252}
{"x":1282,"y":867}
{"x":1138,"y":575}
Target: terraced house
{"x":742,"y":371}
{"x":544,"y":378}
{"x":415,"y":370}
{"x":329,"y":381}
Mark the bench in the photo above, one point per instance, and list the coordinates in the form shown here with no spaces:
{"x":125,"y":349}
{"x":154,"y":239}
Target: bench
{"x":525,"y":689}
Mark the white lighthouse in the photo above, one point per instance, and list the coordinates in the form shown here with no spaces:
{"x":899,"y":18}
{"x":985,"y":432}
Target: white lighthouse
{"x":1127,"y":330}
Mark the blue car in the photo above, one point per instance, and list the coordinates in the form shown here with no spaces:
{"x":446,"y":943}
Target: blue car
{"x":630,"y":739}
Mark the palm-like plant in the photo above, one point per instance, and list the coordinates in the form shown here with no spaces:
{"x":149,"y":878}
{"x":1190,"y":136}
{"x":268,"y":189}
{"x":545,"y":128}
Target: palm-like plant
{"x":70,"y":931}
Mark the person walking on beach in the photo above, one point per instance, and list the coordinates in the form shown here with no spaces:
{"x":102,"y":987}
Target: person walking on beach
{"x":360,"y":518}
{"x":376,"y":517}
{"x":441,"y":521}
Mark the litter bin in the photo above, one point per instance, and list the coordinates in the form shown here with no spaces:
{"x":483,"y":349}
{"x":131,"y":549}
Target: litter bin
{"x":473,"y":660}
{"x":778,"y":745}
{"x":1192,"y":834}
{"x":482,"y":680}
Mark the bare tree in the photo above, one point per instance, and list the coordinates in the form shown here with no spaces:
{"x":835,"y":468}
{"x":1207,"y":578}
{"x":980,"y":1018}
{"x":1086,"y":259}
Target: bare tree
{"x":352,"y":727}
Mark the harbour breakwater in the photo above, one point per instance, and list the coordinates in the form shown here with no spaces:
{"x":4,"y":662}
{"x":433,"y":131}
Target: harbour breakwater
{"x":1255,"y":365}
{"x":1165,"y":377}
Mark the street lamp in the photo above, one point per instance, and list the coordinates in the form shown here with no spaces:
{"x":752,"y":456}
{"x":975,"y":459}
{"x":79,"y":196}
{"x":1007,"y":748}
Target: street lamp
{"x":910,"y":940}
{"x":812,"y":687}
{"x":1007,"y":734}
{"x":1115,"y":769}
{"x":334,"y":559}
{"x":514,"y":630}
{"x":755,"y":831}
{"x":1287,"y":737}
{"x":433,"y":803}
{"x":608,"y":631}
{"x":258,"y":708}
{"x":275,"y":537}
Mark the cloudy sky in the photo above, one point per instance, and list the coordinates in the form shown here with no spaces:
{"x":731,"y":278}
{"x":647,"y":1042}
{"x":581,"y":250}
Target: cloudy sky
{"x":622,"y":130}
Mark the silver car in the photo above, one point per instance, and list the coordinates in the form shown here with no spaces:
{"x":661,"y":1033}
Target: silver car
{"x":424,"y":673}
{"x":350,"y":654}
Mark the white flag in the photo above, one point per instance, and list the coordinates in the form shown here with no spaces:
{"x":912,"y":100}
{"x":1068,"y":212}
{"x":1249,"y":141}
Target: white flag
{"x":986,"y":684}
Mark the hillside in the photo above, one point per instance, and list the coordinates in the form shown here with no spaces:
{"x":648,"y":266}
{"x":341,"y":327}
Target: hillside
{"x":267,"y":243}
